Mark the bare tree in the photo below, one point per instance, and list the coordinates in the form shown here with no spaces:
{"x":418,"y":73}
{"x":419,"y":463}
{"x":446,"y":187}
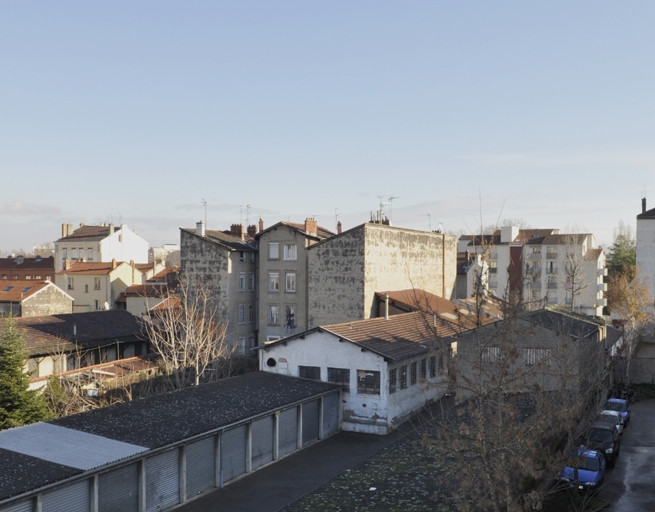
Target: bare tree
{"x":189,"y":338}
{"x":632,"y":302}
{"x":574,"y":278}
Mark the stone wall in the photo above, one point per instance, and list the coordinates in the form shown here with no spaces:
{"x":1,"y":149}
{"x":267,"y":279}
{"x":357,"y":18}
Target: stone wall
{"x":49,"y":301}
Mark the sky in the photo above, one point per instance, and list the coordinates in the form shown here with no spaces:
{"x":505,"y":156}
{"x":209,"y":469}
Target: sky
{"x":466,"y":113}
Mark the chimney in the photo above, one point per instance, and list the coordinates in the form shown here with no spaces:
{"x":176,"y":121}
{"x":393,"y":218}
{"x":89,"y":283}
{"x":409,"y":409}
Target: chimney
{"x":508,"y":234}
{"x":386,"y":306}
{"x":339,"y":228}
{"x":252,"y":231}
{"x":200,"y":228}
{"x":63,"y":230}
{"x":643,"y":205}
{"x":74,"y":329}
{"x":113,"y":263}
{"x":67,"y":264}
{"x":132,"y":263}
{"x":69,"y":229}
{"x":81,"y":224}
{"x":238,"y":230}
{"x":111,"y":228}
{"x":310,"y":226}
{"x":261,"y":225}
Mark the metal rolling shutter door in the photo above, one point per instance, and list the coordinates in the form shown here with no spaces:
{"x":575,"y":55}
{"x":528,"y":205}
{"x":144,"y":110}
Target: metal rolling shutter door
{"x":330,"y":414}
{"x":262,"y":441}
{"x":118,"y":490}
{"x":162,"y":480}
{"x":21,"y":506}
{"x":309,"y":422}
{"x":72,"y":498}
{"x":288,"y":431}
{"x":233,"y":452}
{"x":200,"y":466}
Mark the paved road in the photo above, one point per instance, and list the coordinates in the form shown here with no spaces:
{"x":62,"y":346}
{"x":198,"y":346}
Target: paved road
{"x":630,"y":486}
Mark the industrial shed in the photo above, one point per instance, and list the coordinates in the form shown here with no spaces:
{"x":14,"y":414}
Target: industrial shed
{"x":153,"y":454}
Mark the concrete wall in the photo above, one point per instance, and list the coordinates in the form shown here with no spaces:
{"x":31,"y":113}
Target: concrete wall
{"x":367,"y":413}
{"x":85,"y":292}
{"x":297,"y":300}
{"x":124,"y":245}
{"x":347,"y":270}
{"x":49,"y":301}
{"x":572,"y":363}
{"x":646,"y":252}
{"x":216,"y":268}
{"x":642,"y":366}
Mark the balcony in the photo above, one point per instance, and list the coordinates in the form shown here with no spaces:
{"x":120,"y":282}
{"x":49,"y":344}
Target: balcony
{"x":551,"y":270}
{"x":602,"y":287}
{"x":535,"y":256}
{"x":534,"y":285}
{"x":551,"y":255}
{"x":602,"y":271}
{"x":551,"y":285}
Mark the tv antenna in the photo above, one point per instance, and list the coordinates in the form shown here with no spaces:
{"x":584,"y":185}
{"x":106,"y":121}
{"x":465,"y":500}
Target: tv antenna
{"x":391,"y":198}
{"x":204,"y":204}
{"x":336,"y":218}
{"x":248,"y":207}
{"x":429,"y":220}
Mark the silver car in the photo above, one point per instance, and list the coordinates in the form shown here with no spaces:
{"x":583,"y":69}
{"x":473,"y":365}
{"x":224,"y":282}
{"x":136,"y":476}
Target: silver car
{"x":618,"y":419}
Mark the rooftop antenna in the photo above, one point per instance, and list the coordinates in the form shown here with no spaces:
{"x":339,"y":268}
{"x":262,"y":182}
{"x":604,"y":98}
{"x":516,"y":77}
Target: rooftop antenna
{"x":241,"y":214}
{"x":391,"y":198}
{"x":204,"y":203}
{"x":381,"y":210}
{"x":429,"y":219}
{"x":336,"y":218}
{"x":120,"y":218}
{"x":248,"y":206}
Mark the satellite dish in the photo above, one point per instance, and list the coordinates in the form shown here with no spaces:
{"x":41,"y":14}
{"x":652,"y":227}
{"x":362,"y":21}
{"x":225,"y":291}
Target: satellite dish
{"x":106,"y":306}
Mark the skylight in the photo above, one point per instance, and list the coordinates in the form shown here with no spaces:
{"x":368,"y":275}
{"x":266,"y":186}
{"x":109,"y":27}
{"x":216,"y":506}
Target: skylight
{"x":27,"y":289}
{"x":8,"y":289}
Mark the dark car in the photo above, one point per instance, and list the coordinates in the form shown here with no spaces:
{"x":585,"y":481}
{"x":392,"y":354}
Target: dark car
{"x":604,"y":437}
{"x":621,"y":405}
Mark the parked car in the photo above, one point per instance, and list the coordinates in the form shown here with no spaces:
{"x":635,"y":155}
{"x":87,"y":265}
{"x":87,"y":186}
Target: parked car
{"x":613,"y":417}
{"x":590,"y":470}
{"x":621,"y":405}
{"x":604,"y":437}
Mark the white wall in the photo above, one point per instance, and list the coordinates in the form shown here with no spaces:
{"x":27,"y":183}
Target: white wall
{"x":367,"y":413}
{"x":646,"y":252}
{"x":124,"y":245}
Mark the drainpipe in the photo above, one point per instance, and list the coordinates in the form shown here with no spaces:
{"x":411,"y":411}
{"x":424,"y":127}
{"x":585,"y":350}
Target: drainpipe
{"x":386,"y":306}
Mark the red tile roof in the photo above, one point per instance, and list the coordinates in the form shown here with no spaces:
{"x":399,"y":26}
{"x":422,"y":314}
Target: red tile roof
{"x":88,"y":233}
{"x":19,"y":290}
{"x":91,"y":267}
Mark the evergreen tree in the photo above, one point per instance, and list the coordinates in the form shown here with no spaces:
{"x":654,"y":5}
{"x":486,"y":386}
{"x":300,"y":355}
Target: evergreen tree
{"x":18,"y":404}
{"x":623,"y":252}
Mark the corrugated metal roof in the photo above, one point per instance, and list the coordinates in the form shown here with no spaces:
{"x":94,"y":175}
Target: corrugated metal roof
{"x":66,"y":446}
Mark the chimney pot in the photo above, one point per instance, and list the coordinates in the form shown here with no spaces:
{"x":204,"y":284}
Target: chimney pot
{"x":252,"y":231}
{"x":111,"y":228}
{"x":339,"y":228}
{"x":261,"y":225}
{"x":643,"y":205}
{"x":63,"y":230}
{"x":200,"y":228}
{"x":113,"y":263}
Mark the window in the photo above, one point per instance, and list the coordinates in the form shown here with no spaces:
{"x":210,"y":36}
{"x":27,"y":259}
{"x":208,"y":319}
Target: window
{"x":433,"y":369}
{"x":272,"y":338}
{"x":273,"y":281}
{"x":48,"y":278}
{"x":493,"y":267}
{"x":441,"y":364}
{"x":4,"y":276}
{"x":403,"y":377}
{"x":8,"y":288}
{"x":273,"y":251}
{"x":368,"y":382}
{"x":413,"y":373}
{"x":89,"y":254}
{"x":97,"y":305}
{"x":86,"y":288}
{"x":551,"y":252}
{"x":242,"y":313}
{"x":15,"y":276}
{"x":28,"y":277}
{"x":290,"y":252}
{"x":340,"y":376}
{"x":251,"y":314}
{"x":26,"y":289}
{"x":242,"y":281}
{"x":252,"y":257}
{"x":393,"y":380}
{"x":64,"y":253}
{"x":242,"y":255}
{"x":534,"y":356}
{"x":551,"y":267}
{"x":273,"y":315}
{"x":291,"y":282}
{"x":536,"y":249}
{"x":70,"y":283}
{"x":242,"y":345}
{"x":96,"y":283}
{"x":309,"y":372}
{"x":251,"y":281}
{"x":490,"y":354}
{"x":424,"y":372}
{"x":37,"y":276}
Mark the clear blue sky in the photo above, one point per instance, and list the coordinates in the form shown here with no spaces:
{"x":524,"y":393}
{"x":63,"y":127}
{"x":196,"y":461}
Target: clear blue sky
{"x":139,"y":110}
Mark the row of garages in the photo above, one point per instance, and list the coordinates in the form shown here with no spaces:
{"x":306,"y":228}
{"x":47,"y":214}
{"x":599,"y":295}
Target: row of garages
{"x":157,"y":474}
